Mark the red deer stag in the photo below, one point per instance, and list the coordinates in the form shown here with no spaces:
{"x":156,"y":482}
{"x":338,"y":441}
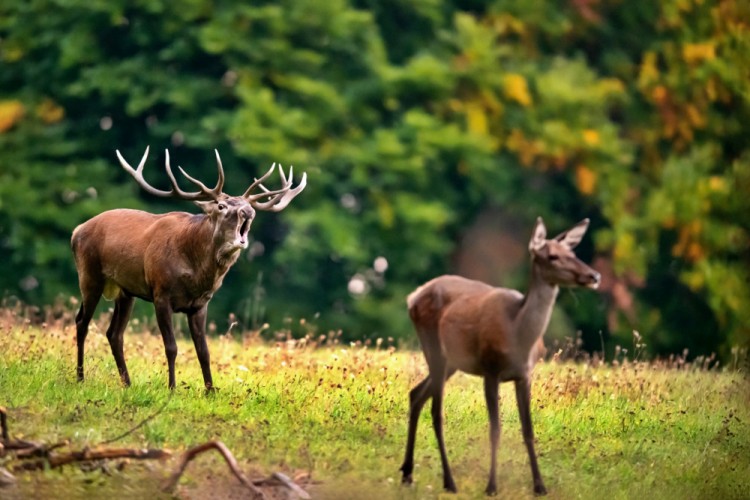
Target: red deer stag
{"x":176,"y":260}
{"x":494,"y":333}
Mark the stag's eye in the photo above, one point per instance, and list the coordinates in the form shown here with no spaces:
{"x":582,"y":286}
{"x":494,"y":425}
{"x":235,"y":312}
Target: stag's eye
{"x":222,"y":206}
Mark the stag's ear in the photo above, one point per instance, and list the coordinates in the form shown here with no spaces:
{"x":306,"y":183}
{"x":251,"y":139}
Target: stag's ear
{"x":539,"y":236}
{"x":207,"y":206}
{"x":573,"y":236}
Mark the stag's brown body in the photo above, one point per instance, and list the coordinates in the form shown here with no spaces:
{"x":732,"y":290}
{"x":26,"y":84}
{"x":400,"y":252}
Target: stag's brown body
{"x":150,"y":256}
{"x":175,"y":260}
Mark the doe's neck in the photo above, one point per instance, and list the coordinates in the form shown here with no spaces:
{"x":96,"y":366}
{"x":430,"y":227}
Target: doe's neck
{"x":534,"y":316}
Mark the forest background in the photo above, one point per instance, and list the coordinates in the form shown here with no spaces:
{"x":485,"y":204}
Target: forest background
{"x":433,"y":133}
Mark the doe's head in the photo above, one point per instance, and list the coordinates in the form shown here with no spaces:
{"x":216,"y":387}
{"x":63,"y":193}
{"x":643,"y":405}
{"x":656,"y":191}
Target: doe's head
{"x":555,"y":260}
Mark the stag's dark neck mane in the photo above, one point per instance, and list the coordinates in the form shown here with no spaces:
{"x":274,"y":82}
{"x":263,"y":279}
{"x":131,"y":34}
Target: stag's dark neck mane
{"x":204,"y":252}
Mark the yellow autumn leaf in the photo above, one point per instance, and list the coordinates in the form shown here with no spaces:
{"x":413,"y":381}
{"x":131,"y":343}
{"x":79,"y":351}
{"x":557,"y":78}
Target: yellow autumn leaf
{"x":649,"y":71}
{"x":476,"y":118}
{"x":385,"y":210}
{"x":624,"y":248}
{"x":717,"y":184}
{"x":697,"y":119}
{"x":688,"y":245}
{"x":11,"y":113}
{"x":50,"y":112}
{"x":694,"y":53}
{"x":526,"y":149}
{"x":659,"y":94}
{"x":516,"y":89}
{"x":695,"y":280}
{"x":591,"y":137}
{"x":585,"y":179}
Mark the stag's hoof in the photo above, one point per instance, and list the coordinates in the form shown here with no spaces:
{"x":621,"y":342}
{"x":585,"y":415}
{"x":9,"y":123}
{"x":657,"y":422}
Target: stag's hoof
{"x":491,"y":490}
{"x":450,"y":486}
{"x":539,"y":490}
{"x":407,"y":480}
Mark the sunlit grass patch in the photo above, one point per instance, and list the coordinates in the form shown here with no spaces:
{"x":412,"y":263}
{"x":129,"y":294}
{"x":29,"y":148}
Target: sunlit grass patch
{"x":338,"y":413}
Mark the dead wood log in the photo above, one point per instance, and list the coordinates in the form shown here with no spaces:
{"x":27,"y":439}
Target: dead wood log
{"x":6,"y":478}
{"x":87,"y":455}
{"x":37,"y":450}
{"x":190,"y":454}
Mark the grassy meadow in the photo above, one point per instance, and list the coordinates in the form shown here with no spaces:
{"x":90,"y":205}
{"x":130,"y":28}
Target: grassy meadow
{"x":333,"y":417}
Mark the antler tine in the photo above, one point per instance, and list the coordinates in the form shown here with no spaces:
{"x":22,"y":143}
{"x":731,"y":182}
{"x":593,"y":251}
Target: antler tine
{"x":268,"y":205}
{"x":138,"y":174}
{"x":286,"y":185}
{"x":289,"y":195}
{"x":282,"y":197}
{"x":257,"y":182}
{"x":220,"y":183}
{"x":205,"y":193}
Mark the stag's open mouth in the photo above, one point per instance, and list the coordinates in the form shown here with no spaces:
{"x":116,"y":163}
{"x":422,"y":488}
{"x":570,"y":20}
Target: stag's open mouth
{"x":242,"y":232}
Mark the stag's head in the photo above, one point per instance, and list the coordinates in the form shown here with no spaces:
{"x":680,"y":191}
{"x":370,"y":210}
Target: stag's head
{"x":232,"y":216}
{"x":554,"y":259}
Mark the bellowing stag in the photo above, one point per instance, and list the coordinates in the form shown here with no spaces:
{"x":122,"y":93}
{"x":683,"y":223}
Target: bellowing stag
{"x":176,"y":260}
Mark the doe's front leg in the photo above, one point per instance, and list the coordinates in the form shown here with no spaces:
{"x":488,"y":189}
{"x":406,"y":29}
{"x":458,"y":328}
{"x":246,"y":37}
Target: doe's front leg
{"x":523,"y":398}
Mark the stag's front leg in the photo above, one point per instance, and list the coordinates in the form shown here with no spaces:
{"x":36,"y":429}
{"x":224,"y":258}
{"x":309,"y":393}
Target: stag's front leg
{"x":197,"y":324}
{"x":164,"y":320}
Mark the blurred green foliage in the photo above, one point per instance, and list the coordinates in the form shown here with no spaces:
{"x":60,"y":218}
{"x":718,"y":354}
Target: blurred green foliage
{"x":410,"y":119}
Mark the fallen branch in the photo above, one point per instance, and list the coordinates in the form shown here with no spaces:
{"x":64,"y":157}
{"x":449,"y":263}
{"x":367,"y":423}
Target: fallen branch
{"x":284,"y":480}
{"x":190,"y":454}
{"x":38,"y":450}
{"x":88,"y":455}
{"x":28,"y":451}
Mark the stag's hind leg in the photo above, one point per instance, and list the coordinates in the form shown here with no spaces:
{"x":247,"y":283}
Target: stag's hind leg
{"x":115,"y":333}
{"x":91,"y":292}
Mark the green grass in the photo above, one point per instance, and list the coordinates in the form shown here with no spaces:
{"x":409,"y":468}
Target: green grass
{"x":338,"y":414}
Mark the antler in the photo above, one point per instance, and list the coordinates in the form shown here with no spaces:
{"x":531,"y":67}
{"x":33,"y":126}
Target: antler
{"x":278,"y":199}
{"x":203,"y":195}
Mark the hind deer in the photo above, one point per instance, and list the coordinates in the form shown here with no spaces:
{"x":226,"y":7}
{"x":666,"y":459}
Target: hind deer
{"x":176,"y":260}
{"x":495,"y":333}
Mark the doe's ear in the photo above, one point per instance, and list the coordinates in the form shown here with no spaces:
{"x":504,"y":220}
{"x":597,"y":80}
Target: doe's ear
{"x":539,"y":236}
{"x":573,"y":236}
